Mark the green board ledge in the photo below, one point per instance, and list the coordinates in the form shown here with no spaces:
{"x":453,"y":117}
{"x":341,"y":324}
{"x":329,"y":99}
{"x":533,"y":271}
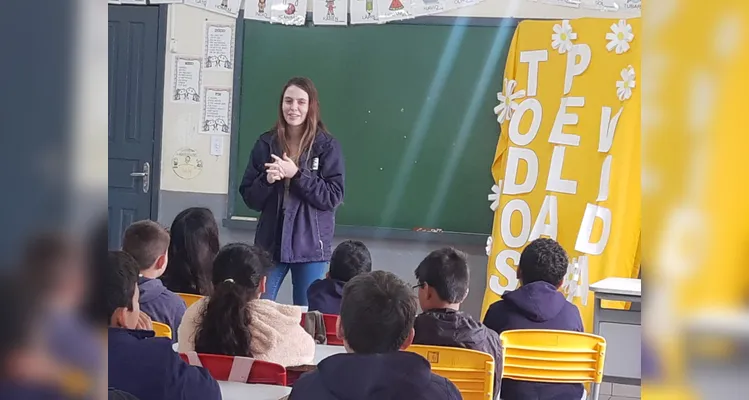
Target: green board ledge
{"x":368,"y":232}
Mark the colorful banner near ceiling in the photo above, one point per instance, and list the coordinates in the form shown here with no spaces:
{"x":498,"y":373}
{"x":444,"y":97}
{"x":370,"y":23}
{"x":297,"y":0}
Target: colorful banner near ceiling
{"x":567,"y":164}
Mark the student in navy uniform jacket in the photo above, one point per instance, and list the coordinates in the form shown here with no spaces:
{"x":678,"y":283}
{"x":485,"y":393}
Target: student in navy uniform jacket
{"x":443,"y":280}
{"x":295,"y":179}
{"x":349,"y":259}
{"x":148,"y":243}
{"x":140,"y":364}
{"x":377,"y":316}
{"x":537,"y":304}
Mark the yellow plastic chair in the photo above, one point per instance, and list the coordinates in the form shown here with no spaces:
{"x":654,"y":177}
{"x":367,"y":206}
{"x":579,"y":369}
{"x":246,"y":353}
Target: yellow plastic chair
{"x":554,"y":357}
{"x":162,"y":330}
{"x":189,"y":298}
{"x":470,"y":370}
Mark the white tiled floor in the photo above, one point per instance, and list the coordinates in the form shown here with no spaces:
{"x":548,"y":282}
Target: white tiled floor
{"x":615,"y":391}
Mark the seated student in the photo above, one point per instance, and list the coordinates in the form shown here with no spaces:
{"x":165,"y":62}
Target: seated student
{"x":537,"y":304}
{"x":349,"y":259}
{"x":139,"y":364}
{"x":235,"y":321}
{"x":193,"y":245}
{"x":443,"y":281}
{"x":377,"y":317}
{"x":147,"y":242}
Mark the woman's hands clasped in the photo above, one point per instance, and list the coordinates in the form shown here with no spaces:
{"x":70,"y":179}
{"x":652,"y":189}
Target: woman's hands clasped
{"x":280,"y":168}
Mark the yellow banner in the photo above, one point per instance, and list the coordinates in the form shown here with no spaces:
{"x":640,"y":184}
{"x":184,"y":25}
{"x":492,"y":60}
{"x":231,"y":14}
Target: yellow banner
{"x":567,"y":164}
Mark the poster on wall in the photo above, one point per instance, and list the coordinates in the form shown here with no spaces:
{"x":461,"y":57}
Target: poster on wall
{"x":330,"y":12}
{"x":258,"y":10}
{"x":288,"y":12}
{"x":393,"y":10}
{"x":218,"y":46}
{"x":196,"y":3}
{"x":226,"y":7}
{"x":186,"y":79}
{"x":215,"y":116}
{"x":364,"y":12}
{"x":426,"y":7}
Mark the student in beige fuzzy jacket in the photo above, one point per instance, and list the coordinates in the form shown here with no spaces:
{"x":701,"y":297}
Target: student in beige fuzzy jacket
{"x":235,"y":321}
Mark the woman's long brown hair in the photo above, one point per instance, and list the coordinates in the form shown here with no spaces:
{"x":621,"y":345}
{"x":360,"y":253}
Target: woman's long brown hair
{"x":312,"y":123}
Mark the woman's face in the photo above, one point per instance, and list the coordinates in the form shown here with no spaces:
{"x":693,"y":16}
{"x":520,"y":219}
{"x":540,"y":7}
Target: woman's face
{"x":295,"y":105}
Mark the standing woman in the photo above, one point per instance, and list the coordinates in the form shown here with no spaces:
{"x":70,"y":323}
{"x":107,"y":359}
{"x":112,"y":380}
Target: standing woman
{"x":295,"y":180}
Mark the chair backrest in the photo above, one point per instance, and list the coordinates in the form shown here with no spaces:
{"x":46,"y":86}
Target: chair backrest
{"x":189,"y":299}
{"x":552,"y":356}
{"x":238,"y":369}
{"x":162,"y":330}
{"x":330,"y":329}
{"x":470,"y":370}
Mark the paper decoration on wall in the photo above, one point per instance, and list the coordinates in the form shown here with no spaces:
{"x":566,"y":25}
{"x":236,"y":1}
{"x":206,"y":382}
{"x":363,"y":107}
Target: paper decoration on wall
{"x":507,"y":100}
{"x":620,"y":37}
{"x":393,"y":10}
{"x":186,"y":163}
{"x":215,"y":116}
{"x":165,"y":1}
{"x":218,"y":46}
{"x":565,"y":3}
{"x":562,"y":37}
{"x":196,"y":3}
{"x":114,"y":2}
{"x":330,"y":12}
{"x":186,"y":79}
{"x":624,"y":87}
{"x":258,"y":10}
{"x":364,"y":12}
{"x":134,"y":2}
{"x":288,"y":12}
{"x":426,"y":7}
{"x":225,"y":7}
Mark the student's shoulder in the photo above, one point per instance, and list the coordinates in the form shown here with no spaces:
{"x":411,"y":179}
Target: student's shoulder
{"x":174,"y":298}
{"x":443,"y":388}
{"x":309,"y":384}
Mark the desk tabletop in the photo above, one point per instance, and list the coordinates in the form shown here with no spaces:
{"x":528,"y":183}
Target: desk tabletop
{"x":620,"y":286}
{"x":245,"y":391}
{"x":323,"y":351}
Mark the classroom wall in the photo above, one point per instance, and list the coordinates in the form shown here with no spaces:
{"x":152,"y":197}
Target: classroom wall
{"x":209,"y":189}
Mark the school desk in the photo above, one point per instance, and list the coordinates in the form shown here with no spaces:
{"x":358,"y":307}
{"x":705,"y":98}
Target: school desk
{"x":620,"y":328}
{"x":322,"y":351}
{"x":245,"y":391}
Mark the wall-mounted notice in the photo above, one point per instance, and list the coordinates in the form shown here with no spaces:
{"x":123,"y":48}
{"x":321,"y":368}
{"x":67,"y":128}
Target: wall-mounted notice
{"x":330,"y":12}
{"x":218,"y":46}
{"x":288,"y":12}
{"x":215,"y":117}
{"x":259,"y":10}
{"x":196,"y":3}
{"x":225,"y":7}
{"x":186,"y":79}
{"x":364,"y":12}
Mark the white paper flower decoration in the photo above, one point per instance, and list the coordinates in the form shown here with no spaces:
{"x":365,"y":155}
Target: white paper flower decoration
{"x":620,"y":37}
{"x":624,"y":87}
{"x":494,"y":195}
{"x":489,"y":241}
{"x":562,"y":37}
{"x":507,"y":104}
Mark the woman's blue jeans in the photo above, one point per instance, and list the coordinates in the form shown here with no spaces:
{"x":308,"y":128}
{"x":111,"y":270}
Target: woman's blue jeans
{"x":302,"y":276}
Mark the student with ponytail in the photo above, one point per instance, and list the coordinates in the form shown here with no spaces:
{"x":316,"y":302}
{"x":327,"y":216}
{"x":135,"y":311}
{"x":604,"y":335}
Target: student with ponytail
{"x":234,"y":320}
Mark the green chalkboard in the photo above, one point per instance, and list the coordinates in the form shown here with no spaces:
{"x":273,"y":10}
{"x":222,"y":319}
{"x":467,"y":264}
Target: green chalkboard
{"x":411,"y":104}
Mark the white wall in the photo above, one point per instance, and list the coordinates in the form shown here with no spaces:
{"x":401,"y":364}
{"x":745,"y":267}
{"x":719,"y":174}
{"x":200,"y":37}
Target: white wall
{"x":181,"y":121}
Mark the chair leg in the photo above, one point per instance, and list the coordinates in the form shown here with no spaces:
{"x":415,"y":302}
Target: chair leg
{"x":595,"y":389}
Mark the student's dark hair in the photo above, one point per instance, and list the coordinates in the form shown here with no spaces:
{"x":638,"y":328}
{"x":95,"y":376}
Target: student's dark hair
{"x":193,"y":246}
{"x":349,"y":259}
{"x":120,"y":279}
{"x":19,"y":313}
{"x":446,"y":270}
{"x":377,"y":312}
{"x":145,"y":241}
{"x":543,"y":260}
{"x":225,"y":323}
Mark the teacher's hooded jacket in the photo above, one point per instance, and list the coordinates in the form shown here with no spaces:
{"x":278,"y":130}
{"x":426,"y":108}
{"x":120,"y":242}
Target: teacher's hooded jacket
{"x":300,"y":230}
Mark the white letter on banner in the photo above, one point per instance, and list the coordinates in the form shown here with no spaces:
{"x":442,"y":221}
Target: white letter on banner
{"x":525,"y":105}
{"x":608,"y":128}
{"x":504,"y":269}
{"x":549,"y":208}
{"x":514,"y":155}
{"x":583,"y":243}
{"x":562,"y":119}
{"x":533,"y":58}
{"x":603,"y":186}
{"x":555,"y":183}
{"x":575,"y":68}
{"x":506,"y":222}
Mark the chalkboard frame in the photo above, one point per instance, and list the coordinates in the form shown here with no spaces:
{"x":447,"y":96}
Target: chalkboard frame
{"x":233,"y":221}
